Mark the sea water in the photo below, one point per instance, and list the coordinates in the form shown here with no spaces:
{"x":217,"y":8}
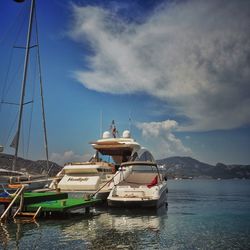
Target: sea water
{"x":201,"y":214}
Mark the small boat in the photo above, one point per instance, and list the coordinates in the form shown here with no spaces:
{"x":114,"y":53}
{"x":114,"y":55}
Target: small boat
{"x":33,"y":182}
{"x":142,"y":186}
{"x":95,"y":177}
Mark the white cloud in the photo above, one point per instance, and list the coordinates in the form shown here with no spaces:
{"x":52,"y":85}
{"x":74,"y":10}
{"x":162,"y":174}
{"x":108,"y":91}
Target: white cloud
{"x":68,"y":156}
{"x":195,"y":55}
{"x":160,"y":135}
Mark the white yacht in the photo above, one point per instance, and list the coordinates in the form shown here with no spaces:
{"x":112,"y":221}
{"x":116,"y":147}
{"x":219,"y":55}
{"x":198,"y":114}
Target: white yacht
{"x":142,"y":185}
{"x":96,"y":176}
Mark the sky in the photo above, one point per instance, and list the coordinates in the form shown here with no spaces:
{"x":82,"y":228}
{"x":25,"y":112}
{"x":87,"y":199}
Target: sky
{"x":174,"y":72}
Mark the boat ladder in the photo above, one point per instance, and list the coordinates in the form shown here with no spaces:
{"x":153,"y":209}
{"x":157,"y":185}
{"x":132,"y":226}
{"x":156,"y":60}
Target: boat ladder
{"x":19,"y":194}
{"x":23,"y":215}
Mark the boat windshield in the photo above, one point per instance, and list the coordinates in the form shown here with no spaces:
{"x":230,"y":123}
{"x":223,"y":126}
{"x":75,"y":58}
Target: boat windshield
{"x":144,"y":168}
{"x":98,"y":157}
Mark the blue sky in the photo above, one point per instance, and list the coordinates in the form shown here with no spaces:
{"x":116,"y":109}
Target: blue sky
{"x":179,"y":69}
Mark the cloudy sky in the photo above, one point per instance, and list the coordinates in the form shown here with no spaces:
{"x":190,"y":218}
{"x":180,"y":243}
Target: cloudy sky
{"x":179,"y":70}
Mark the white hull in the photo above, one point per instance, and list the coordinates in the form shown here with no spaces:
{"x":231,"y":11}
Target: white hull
{"x":139,"y":201}
{"x":139,"y":188}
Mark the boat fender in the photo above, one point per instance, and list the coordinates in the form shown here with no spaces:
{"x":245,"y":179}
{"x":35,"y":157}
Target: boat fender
{"x":86,"y":197}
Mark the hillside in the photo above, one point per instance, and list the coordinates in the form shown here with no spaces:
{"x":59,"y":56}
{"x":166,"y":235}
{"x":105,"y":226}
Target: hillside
{"x":32,"y":167}
{"x":176,"y":167}
{"x":187,"y":167}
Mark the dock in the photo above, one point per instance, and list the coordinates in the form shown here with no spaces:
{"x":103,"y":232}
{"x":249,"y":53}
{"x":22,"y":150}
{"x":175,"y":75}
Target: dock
{"x":31,"y":198}
{"x":62,"y":206}
{"x":29,"y":204}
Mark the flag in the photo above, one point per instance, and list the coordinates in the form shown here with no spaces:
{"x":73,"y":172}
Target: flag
{"x":153,"y":182}
{"x":14,"y":142}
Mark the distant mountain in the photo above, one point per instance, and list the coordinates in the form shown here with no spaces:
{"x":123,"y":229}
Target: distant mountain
{"x":29,"y":166}
{"x":176,"y":167}
{"x":187,"y":167}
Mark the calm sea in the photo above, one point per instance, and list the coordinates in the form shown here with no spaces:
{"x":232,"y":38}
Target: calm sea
{"x":201,"y":214}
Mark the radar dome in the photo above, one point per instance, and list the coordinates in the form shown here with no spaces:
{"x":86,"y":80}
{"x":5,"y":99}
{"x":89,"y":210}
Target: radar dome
{"x":126,"y":134}
{"x":106,"y":135}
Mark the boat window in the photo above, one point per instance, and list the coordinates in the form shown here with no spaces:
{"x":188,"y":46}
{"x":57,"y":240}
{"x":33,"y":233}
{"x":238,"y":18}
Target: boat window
{"x":142,"y":155}
{"x":134,"y":157}
{"x":146,"y":156}
{"x":98,"y":157}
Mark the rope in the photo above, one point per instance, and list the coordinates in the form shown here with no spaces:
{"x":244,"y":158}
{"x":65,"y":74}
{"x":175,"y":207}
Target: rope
{"x":98,"y":190}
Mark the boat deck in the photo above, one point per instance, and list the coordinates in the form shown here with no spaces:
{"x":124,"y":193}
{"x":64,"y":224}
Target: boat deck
{"x":136,"y":179}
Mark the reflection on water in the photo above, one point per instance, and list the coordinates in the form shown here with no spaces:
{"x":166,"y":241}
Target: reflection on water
{"x":126,"y":229}
{"x":105,"y":229}
{"x":200,"y":215}
{"x":11,"y":233}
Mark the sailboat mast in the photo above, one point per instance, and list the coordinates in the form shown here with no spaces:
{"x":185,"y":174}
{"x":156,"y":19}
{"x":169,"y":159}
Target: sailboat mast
{"x":42,"y":99}
{"x":26,"y":61}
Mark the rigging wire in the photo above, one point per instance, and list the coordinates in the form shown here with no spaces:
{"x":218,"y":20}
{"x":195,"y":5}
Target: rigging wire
{"x":10,"y":130}
{"x":12,"y":49}
{"x":41,"y":94}
{"x":5,"y":140}
{"x":12,"y":80}
{"x":22,"y":136}
{"x":6,"y":87}
{"x":32,"y":108}
{"x":12,"y":25}
{"x":34,"y":83}
{"x":6,"y":78}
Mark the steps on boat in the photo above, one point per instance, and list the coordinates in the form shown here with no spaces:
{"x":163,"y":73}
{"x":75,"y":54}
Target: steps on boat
{"x":33,"y":215}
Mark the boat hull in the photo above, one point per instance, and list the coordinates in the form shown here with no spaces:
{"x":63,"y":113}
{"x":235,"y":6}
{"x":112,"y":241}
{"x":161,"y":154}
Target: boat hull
{"x":138,"y":202}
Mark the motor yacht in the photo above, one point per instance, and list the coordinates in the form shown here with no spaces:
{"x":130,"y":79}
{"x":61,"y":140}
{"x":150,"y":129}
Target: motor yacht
{"x":96,"y":176}
{"x":142,"y":186}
